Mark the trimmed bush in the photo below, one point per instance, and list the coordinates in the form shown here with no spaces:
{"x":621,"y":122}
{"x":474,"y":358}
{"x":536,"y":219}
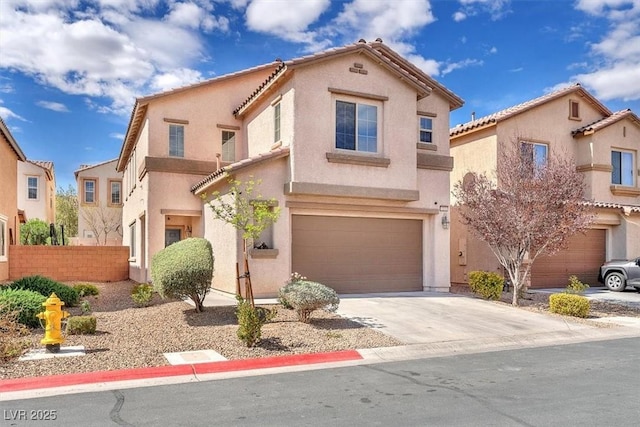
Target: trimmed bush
{"x":305,"y":297}
{"x":25,"y":302}
{"x":141,"y":294}
{"x":86,"y":289}
{"x":569,"y":305}
{"x":81,"y":325}
{"x":184,"y":270}
{"x":250,"y":321}
{"x":486,"y":284}
{"x":45,"y":286}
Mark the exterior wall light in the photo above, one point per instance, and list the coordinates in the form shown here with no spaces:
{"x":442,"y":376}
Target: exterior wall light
{"x":445,"y":221}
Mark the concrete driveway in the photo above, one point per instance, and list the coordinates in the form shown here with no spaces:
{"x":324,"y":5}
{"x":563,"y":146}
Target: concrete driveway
{"x":459,"y":322}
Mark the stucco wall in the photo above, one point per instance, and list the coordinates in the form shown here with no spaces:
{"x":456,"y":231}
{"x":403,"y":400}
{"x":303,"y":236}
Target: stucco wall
{"x":44,"y":206}
{"x":8,"y":199}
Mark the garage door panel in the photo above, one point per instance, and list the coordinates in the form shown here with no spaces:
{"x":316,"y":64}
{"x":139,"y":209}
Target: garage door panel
{"x":355,"y":255}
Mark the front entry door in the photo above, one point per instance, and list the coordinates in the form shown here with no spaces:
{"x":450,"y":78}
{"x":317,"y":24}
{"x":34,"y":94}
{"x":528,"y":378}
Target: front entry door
{"x":171,"y":235}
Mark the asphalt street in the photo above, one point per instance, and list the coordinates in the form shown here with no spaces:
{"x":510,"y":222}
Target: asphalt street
{"x":586,"y":384}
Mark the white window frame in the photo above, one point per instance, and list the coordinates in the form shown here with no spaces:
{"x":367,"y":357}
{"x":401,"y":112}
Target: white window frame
{"x":176,"y":147}
{"x":228,"y":146}
{"x":624,"y":167}
{"x":277,"y":122}
{"x":536,"y":152}
{"x":357,"y":122}
{"x":132,"y":240}
{"x":4,"y":223}
{"x":30,"y":187}
{"x":111,"y":192}
{"x":426,"y":130}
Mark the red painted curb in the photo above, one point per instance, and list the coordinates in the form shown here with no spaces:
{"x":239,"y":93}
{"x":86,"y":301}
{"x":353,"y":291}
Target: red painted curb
{"x":33,"y":383}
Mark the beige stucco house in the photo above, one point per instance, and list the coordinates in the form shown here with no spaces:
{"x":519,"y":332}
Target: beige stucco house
{"x":353,"y":145}
{"x":604,"y":145}
{"x":37,"y":190}
{"x":10,"y":156}
{"x":100,"y":200}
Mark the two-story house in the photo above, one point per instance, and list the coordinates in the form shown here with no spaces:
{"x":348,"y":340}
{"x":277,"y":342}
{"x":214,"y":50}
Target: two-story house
{"x":99,"y":189}
{"x":10,"y":156}
{"x":37,"y":190}
{"x":605,"y":148}
{"x":353,"y":145}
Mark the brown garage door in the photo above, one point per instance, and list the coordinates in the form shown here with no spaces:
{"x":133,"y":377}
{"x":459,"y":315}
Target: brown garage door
{"x":583,"y":257}
{"x":358,"y":255}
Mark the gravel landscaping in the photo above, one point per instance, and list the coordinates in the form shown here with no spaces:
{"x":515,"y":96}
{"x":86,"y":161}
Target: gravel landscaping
{"x":132,"y":337}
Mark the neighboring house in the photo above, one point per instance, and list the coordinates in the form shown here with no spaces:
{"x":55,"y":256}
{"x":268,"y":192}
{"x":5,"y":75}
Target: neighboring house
{"x":37,"y":190}
{"x":100,"y":198}
{"x":10,"y":156}
{"x":353,"y":145}
{"x":605,"y":148}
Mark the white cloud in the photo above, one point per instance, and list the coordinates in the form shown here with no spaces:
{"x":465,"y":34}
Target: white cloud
{"x":115,"y":135}
{"x":109,"y":50}
{"x":175,"y":78}
{"x":53,"y":106}
{"x":497,"y":9}
{"x":6,"y":113}
{"x":466,"y":63}
{"x":459,"y":16}
{"x":615,"y":58}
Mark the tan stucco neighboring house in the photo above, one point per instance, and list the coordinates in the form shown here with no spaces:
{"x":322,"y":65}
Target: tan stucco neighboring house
{"x":353,"y":145}
{"x":100,"y":200}
{"x":10,"y":156}
{"x":604,"y":145}
{"x":37,"y":190}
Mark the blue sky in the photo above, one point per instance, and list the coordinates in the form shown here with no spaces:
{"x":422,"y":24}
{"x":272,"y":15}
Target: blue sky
{"x":70,"y":70}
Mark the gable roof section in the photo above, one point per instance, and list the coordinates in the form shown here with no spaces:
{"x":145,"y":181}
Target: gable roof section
{"x":383,"y":55}
{"x":225,"y":171}
{"x":607,"y":121}
{"x":86,"y":167}
{"x":4,"y":130}
{"x":507,"y":113}
{"x":141,"y":104}
{"x":46,"y":165}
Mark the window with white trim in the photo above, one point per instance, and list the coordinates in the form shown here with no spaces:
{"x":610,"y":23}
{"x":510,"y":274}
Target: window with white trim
{"x":276,"y":122}
{"x":132,"y":240}
{"x":89,"y":191}
{"x":228,"y":146}
{"x":622,"y":163}
{"x":535,"y":153}
{"x":32,"y":187}
{"x":356,"y":127}
{"x":3,"y":238}
{"x":115,"y":192}
{"x":426,"y":129}
{"x":176,"y":140}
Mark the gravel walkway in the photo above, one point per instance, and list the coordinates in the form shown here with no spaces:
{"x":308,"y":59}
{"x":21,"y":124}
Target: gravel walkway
{"x":132,"y":337}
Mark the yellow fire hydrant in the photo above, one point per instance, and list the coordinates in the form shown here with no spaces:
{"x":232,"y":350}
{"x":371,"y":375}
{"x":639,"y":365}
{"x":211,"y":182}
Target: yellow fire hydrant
{"x":52,"y":317}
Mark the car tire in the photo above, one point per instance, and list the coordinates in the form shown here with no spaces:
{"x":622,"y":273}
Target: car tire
{"x":615,"y":282}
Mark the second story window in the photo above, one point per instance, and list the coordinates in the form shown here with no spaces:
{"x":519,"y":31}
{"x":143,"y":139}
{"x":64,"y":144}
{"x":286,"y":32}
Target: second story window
{"x":574,"y":109}
{"x":115,"y":192}
{"x":426,"y":130}
{"x":228,"y":146}
{"x":276,"y":123}
{"x":534,"y":154}
{"x":89,"y":191}
{"x":356,"y":127}
{"x":32,"y":187}
{"x":176,"y":140}
{"x":622,"y":168}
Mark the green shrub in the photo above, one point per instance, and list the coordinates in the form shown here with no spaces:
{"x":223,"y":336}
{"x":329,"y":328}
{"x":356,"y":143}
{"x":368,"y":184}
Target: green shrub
{"x":575,"y":286}
{"x":184,"y":270}
{"x":250,"y":321}
{"x":11,"y":331}
{"x":569,"y":305}
{"x":486,"y":284}
{"x":34,"y":232}
{"x":86,"y":289}
{"x":282,"y":300}
{"x":141,"y":294}
{"x":25,"y":302}
{"x":305,"y":297}
{"x":45,"y":286}
{"x":85,"y":306}
{"x":81,"y":325}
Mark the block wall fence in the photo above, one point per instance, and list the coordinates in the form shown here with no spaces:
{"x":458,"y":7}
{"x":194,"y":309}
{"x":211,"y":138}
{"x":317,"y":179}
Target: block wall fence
{"x":67,"y":263}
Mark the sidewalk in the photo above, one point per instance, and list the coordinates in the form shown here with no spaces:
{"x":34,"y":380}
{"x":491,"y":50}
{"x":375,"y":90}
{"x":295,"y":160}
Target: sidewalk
{"x":431,"y":325}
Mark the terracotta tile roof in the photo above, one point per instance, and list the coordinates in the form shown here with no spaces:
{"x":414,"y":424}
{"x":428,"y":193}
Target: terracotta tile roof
{"x":95,"y":165}
{"x":225,"y":171}
{"x":4,"y":130}
{"x":44,"y":164}
{"x":626,"y":208}
{"x":383,"y":54}
{"x":525,"y":106}
{"x":604,"y":122}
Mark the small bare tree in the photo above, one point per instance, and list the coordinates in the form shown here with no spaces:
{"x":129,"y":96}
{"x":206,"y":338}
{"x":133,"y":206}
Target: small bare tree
{"x":531,"y":208}
{"x":102,"y":220}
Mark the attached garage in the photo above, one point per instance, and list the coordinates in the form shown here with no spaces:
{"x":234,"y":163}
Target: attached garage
{"x":358,"y":255}
{"x":583,"y":258}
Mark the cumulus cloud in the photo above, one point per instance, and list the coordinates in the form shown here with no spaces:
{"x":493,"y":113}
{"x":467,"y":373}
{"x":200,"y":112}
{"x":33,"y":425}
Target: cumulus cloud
{"x":497,"y":9}
{"x":108,"y":50}
{"x":53,"y":106}
{"x":615,"y":59}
